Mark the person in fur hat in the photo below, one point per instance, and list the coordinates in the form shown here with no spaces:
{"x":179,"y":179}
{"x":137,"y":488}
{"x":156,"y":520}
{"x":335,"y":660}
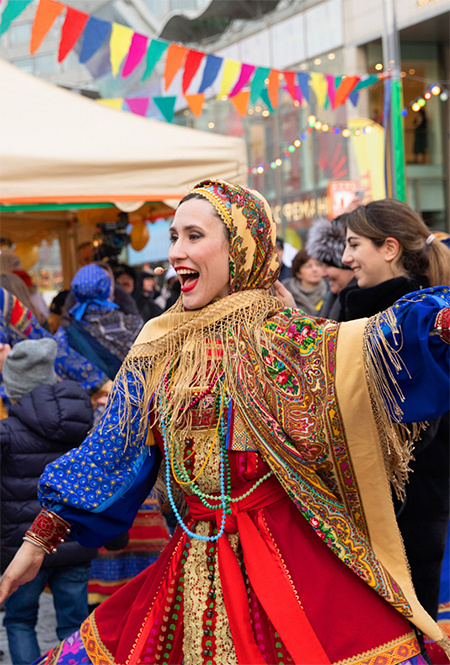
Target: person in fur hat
{"x":326,"y":243}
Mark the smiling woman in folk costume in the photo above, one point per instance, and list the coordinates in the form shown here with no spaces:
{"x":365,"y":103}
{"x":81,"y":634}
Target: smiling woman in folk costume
{"x":278,"y":429}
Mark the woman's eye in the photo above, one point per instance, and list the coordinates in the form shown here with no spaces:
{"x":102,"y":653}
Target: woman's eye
{"x":194,"y":236}
{"x":173,"y":239}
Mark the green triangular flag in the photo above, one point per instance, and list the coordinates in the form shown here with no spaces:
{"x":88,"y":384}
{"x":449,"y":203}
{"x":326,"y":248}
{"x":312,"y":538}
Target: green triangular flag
{"x":258,"y":83}
{"x":155,"y":51}
{"x":12,"y":11}
{"x":166,"y":105}
{"x":266,"y":99}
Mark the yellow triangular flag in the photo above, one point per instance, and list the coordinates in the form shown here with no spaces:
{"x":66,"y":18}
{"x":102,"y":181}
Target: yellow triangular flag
{"x":230,"y":70}
{"x":113,"y":102}
{"x":319,"y":84}
{"x":119,"y":45}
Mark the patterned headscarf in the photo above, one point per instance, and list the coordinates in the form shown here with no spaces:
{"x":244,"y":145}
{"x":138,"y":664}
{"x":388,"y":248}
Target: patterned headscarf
{"x":246,"y":214}
{"x":91,"y":287}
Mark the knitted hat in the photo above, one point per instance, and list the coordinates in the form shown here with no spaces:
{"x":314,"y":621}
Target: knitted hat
{"x":326,"y":241}
{"x":29,"y":364}
{"x":9,"y":261}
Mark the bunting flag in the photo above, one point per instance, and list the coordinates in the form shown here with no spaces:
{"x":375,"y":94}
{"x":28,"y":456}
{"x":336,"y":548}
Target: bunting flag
{"x":119,"y":45}
{"x":113,"y":102}
{"x":195,"y":103}
{"x":244,"y":77}
{"x":273,"y":87}
{"x":212,"y":67}
{"x":73,"y":26}
{"x":137,"y":51}
{"x":366,"y":81}
{"x":303,"y":82}
{"x":319,"y":85}
{"x":138,"y":105}
{"x":345,"y":88}
{"x":230,"y":71}
{"x":258,"y":83}
{"x":331,"y":90}
{"x":11,"y":12}
{"x":240,"y":101}
{"x":166,"y":105}
{"x":289,"y":77}
{"x":174,"y":61}
{"x":154,"y":53}
{"x":193,"y":62}
{"x":46,"y":14}
{"x":266,"y":99}
{"x":94,"y":35}
{"x":298,"y":94}
{"x":128,"y":49}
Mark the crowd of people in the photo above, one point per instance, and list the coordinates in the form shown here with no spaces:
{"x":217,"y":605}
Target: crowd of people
{"x":245,"y":430}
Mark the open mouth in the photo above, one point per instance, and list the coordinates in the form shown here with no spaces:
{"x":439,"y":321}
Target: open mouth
{"x":188,"y":278}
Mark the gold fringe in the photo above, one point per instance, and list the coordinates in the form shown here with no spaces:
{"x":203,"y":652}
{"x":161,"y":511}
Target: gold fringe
{"x":444,"y":644}
{"x":181,"y":354}
{"x":380,"y":358}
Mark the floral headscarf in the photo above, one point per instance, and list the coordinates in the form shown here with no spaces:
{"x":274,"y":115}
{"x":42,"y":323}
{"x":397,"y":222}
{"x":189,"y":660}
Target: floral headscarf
{"x":246,"y":214}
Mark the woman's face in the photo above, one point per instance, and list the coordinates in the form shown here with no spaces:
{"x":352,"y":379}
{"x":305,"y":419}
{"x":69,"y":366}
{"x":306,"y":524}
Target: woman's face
{"x":126,"y":282}
{"x":199,"y":253}
{"x":310,"y":273}
{"x":371,"y":264}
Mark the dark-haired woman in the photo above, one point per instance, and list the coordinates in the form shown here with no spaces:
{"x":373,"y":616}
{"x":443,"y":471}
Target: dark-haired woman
{"x":306,"y":284}
{"x":393,"y":253}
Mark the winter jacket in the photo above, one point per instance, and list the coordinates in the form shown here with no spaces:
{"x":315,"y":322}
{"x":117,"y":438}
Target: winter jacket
{"x":42,"y":426}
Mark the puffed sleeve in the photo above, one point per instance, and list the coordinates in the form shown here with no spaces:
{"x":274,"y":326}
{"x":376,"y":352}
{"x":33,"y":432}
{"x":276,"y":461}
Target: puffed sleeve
{"x":420,"y":362}
{"x":99,"y":486}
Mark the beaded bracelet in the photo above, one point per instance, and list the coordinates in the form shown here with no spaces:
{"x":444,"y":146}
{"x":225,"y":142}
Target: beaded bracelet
{"x":442,"y":324}
{"x":48,"y":531}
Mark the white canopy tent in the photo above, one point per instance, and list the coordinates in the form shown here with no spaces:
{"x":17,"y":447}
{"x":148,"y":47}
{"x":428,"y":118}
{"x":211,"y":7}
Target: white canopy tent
{"x":66,"y":161}
{"x":57,"y":146}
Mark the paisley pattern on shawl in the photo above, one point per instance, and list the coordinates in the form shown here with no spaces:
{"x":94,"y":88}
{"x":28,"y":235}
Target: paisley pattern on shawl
{"x":299,"y":432}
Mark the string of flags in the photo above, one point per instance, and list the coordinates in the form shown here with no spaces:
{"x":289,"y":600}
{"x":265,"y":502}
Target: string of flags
{"x":313,"y":125}
{"x":240,"y":82}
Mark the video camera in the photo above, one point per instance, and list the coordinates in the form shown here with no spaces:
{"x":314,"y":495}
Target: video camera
{"x":111,"y":239}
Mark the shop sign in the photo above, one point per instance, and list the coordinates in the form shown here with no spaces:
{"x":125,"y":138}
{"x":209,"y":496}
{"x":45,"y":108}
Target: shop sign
{"x":340,"y":195}
{"x":302,"y":212}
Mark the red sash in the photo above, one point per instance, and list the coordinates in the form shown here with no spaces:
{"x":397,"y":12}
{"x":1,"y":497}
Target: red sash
{"x":267,"y":577}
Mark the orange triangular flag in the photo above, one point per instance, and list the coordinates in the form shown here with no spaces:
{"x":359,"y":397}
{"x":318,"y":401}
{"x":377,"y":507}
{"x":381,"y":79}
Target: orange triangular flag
{"x":240,"y":101}
{"x":195,"y":103}
{"x":174,"y":60}
{"x":273,"y":87}
{"x":345,"y":87}
{"x":46,"y":14}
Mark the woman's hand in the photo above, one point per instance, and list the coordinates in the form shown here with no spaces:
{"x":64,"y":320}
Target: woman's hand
{"x":284,"y":295}
{"x":23,"y":568}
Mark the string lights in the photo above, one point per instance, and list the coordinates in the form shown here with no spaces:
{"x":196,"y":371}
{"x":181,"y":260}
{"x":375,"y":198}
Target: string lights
{"x":434,"y":90}
{"x":313,"y":125}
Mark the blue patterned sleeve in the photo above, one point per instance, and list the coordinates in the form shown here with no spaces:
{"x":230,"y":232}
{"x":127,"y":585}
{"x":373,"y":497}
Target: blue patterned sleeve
{"x":424,"y":376}
{"x":99,"y":486}
{"x":71,"y":365}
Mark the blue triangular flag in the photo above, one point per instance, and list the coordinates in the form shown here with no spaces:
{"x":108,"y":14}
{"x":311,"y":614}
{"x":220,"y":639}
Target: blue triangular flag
{"x":353,"y":97}
{"x":266,"y":99}
{"x":303,"y":81}
{"x":94,"y":35}
{"x":166,"y":105}
{"x":212,"y":66}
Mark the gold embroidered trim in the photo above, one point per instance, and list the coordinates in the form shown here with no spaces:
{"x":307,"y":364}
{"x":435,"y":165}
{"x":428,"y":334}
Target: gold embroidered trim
{"x":196,"y":603}
{"x":391,"y":653}
{"x":95,"y":649}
